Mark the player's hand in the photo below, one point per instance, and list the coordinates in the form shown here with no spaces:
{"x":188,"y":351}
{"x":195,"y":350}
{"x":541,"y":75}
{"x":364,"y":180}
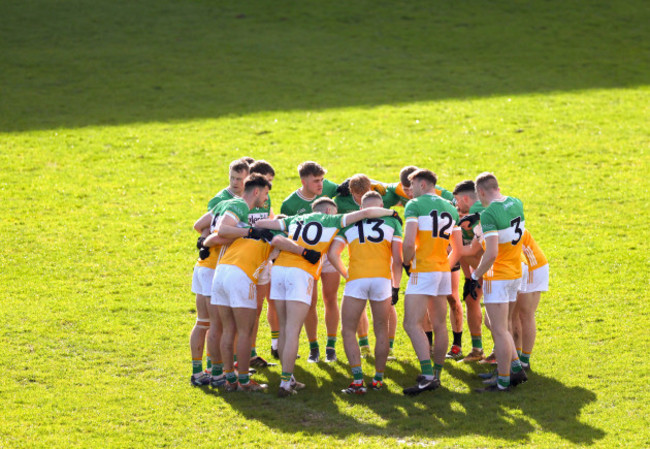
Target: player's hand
{"x":474,"y":287}
{"x":466,"y":287}
{"x":311,"y":255}
{"x":344,"y":188}
{"x":204,"y":252}
{"x":199,"y":242}
{"x":255,"y":233}
{"x":397,"y":217}
{"x":395,"y":297}
{"x":471,"y":220}
{"x":379,"y":188}
{"x":267,"y":235}
{"x":407,"y":269}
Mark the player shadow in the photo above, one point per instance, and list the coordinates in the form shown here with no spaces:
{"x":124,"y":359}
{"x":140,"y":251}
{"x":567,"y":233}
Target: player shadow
{"x":111,"y":63}
{"x":542,"y":404}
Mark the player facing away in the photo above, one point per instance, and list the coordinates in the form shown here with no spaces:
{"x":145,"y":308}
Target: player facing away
{"x":375,"y":247}
{"x":202,"y":280}
{"x":314,"y":186}
{"x":534,"y":281}
{"x":501,"y":230}
{"x":431,"y":225}
{"x":293,"y":279}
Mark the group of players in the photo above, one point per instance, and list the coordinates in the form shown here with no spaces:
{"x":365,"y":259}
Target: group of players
{"x":248,"y":254}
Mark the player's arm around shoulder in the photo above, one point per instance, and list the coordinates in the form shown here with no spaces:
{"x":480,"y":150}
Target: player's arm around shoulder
{"x":227,"y":228}
{"x":275,"y":224}
{"x":370,"y":212}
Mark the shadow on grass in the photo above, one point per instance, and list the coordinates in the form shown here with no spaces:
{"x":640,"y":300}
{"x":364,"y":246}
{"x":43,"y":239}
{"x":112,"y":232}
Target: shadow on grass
{"x":89,"y":62}
{"x":542,"y":404}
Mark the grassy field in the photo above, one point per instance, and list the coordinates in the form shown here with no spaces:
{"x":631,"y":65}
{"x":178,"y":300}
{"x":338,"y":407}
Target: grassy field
{"x":118,"y":120}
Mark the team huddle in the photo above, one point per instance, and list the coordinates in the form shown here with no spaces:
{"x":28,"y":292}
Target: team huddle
{"x":248,"y":254}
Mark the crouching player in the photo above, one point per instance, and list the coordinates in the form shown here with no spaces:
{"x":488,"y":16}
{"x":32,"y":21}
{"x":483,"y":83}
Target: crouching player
{"x":234,"y":289}
{"x":372,"y":244}
{"x":293,"y":279}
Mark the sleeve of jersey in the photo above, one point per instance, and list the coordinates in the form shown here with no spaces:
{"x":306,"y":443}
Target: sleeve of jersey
{"x":337,"y":221}
{"x":284,"y":224}
{"x":411,"y":212}
{"x":488,"y":224}
{"x":285,"y":209}
{"x":329,"y":188}
{"x":398,"y":230}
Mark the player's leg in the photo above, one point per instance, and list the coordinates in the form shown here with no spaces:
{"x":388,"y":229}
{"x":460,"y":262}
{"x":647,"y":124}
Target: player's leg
{"x":515,"y":322}
{"x":197,"y":341}
{"x":437,"y":308}
{"x":362,"y":333}
{"x":474,"y":314}
{"x":227,"y":345}
{"x":527,"y":307}
{"x":311,"y":327}
{"x":415,"y":308}
{"x":455,"y":317}
{"x":351,"y":310}
{"x":245,"y":321}
{"x":274,"y":325}
{"x":214,"y":346}
{"x":330,"y":286}
{"x":392,"y":331}
{"x":262,"y":294}
{"x":381,"y":311}
{"x":291,"y":319}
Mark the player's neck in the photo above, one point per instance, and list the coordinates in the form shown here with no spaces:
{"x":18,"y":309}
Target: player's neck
{"x":234,"y":192}
{"x":306,"y":194}
{"x":250,"y":201}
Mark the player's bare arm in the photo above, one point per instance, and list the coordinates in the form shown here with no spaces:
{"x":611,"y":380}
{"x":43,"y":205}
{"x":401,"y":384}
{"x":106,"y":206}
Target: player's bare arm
{"x":408,"y":245}
{"x":456,"y":242}
{"x":490,"y":255}
{"x":334,"y":257}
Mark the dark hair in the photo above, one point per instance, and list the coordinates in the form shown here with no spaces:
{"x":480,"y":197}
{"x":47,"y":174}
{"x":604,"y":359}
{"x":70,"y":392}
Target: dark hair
{"x":249,"y":160}
{"x":322,"y":203}
{"x":423,"y":173}
{"x":466,"y":186}
{"x":256,"y":180}
{"x":310,"y":168}
{"x":487,"y":181}
{"x":262,"y":167}
{"x":239,"y":165}
{"x":404,"y":175}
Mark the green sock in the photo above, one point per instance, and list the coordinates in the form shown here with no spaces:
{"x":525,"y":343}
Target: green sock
{"x":234,"y":358}
{"x":525,"y":358}
{"x":503,"y":381}
{"x":208,"y":363}
{"x":363,"y":341}
{"x":253,"y":352}
{"x":437,"y":370}
{"x":515,"y":366}
{"x":231,"y":377}
{"x":285,"y":377}
{"x":331,"y":341}
{"x":519,"y":352}
{"x":217,"y":369}
{"x":244,"y":378}
{"x":477,"y":342}
{"x":426,"y":367}
{"x":391,"y":341}
{"x":197,"y":366}
{"x":313,"y":344}
{"x":275,"y":334}
{"x":379,"y":377}
{"x":357,"y":372}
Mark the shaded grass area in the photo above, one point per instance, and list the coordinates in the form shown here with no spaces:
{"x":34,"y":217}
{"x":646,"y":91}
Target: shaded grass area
{"x":79,"y":63}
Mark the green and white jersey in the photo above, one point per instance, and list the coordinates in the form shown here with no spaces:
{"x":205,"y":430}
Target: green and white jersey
{"x":436,"y":219}
{"x":259,"y":213}
{"x":346,"y":204}
{"x":505,"y":219}
{"x":296,"y":204}
{"x":225,"y":194}
{"x":468,"y":236}
{"x":312,"y":231}
{"x":237,"y":209}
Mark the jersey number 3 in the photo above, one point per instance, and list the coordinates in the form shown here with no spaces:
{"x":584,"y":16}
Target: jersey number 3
{"x":516,"y":222}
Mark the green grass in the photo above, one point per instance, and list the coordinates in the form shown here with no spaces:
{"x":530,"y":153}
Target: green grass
{"x":118,"y":120}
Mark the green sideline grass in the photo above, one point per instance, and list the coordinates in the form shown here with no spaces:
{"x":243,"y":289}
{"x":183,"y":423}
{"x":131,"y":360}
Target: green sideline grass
{"x":118,"y":120}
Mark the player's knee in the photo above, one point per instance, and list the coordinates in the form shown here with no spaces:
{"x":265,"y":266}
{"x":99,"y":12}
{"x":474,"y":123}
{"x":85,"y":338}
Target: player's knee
{"x":203,"y":323}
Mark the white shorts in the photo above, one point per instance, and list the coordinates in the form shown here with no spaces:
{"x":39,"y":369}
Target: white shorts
{"x":202,"y":281}
{"x":524,"y":277}
{"x":327,"y":266}
{"x":537,"y":280}
{"x":374,"y":289}
{"x":291,"y":284}
{"x":233,"y":288}
{"x":432,"y":283}
{"x":498,"y":291}
{"x":265,"y":275}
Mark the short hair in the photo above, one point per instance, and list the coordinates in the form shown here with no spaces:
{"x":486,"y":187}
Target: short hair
{"x":486,"y":181}
{"x":359,"y":184}
{"x":321,"y":204}
{"x":404,"y":175}
{"x":249,"y":160}
{"x":372,"y":195}
{"x":310,"y":168}
{"x":423,"y":173}
{"x":466,"y":187}
{"x":256,"y":180}
{"x":262,"y":167}
{"x":239,"y":165}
